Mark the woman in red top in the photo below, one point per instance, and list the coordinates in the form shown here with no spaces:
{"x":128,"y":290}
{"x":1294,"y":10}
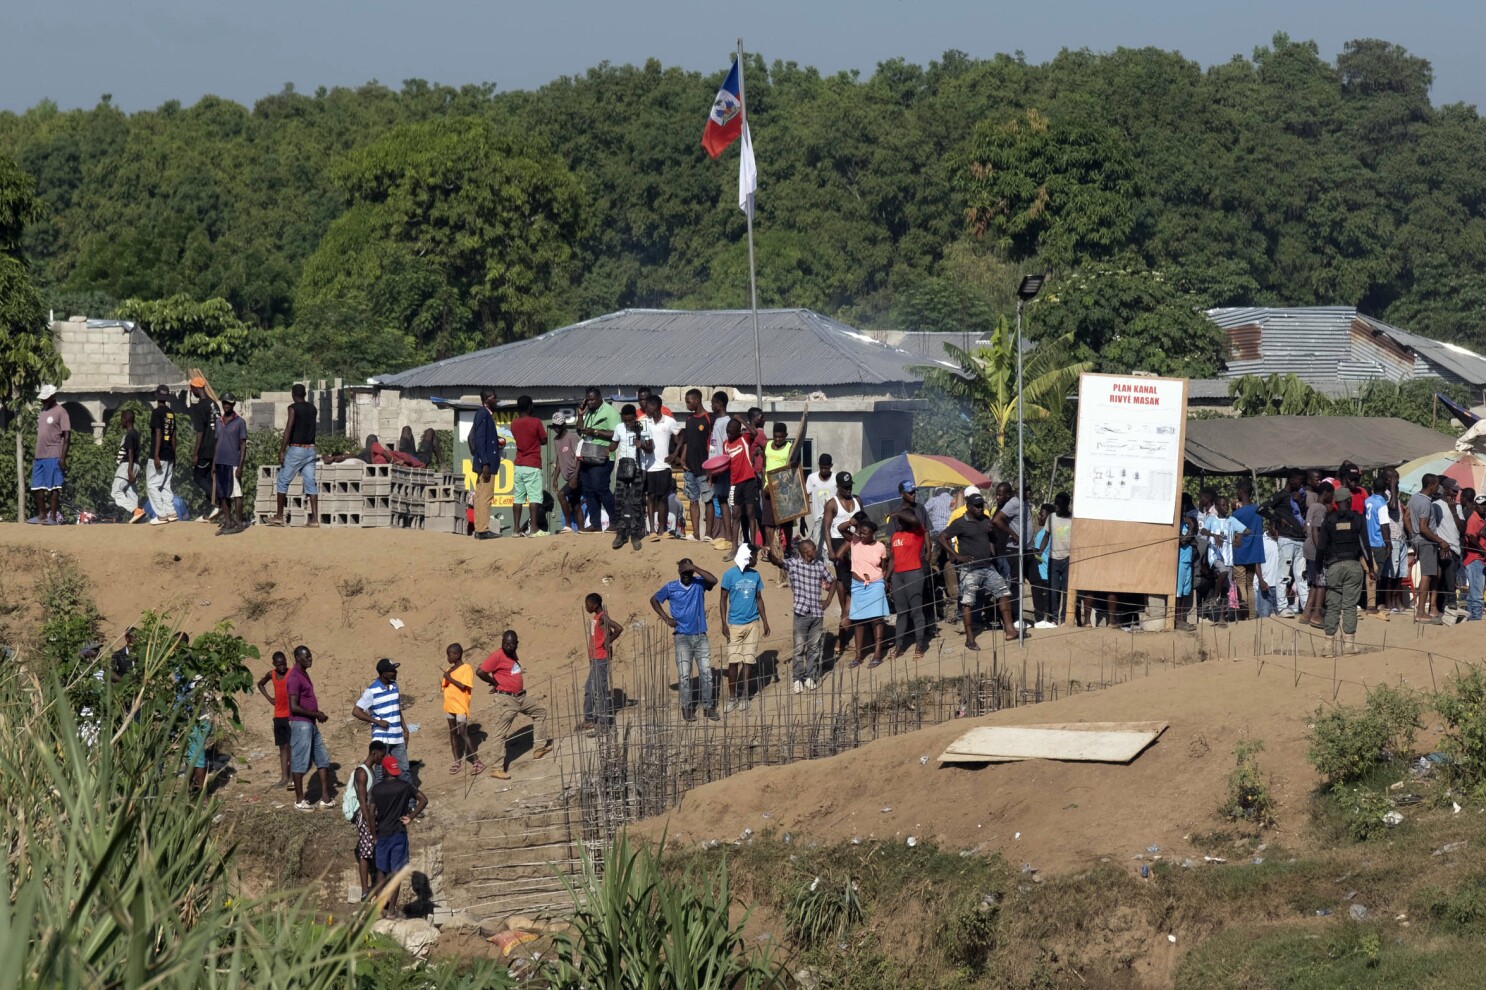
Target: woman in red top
{"x":910,"y":562}
{"x":598,"y":699}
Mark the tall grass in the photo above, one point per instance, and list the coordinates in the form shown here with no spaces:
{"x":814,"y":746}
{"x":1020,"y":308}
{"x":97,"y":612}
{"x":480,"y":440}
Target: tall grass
{"x":113,"y":876}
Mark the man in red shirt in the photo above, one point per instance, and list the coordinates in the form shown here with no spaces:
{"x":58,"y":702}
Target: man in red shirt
{"x":278,"y":674}
{"x":910,"y":562}
{"x":743,"y":495}
{"x":530,"y":436}
{"x":503,"y":672}
{"x":1474,"y":561}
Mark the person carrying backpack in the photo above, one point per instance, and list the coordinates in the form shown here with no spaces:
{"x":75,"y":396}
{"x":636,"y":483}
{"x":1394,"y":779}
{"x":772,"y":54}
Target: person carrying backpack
{"x":356,"y":805}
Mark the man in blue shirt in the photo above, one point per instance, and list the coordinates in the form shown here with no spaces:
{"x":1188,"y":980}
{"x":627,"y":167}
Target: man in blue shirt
{"x":485,"y":457}
{"x":743,"y":617}
{"x":1248,"y":556}
{"x":1380,"y":538}
{"x":688,"y":619}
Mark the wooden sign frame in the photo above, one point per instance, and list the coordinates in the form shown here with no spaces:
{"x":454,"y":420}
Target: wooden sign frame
{"x":1110,"y":556}
{"x":786,"y":486}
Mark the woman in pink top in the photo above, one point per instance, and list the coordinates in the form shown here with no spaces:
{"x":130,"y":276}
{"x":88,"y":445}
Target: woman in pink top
{"x":870,"y":566}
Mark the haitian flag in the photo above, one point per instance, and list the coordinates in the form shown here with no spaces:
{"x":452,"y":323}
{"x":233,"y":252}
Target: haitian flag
{"x":725,"y":122}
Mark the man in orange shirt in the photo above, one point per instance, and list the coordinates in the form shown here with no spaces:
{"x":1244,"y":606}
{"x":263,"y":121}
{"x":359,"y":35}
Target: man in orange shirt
{"x":459,"y":686}
{"x":503,"y":672}
{"x":278,"y":674}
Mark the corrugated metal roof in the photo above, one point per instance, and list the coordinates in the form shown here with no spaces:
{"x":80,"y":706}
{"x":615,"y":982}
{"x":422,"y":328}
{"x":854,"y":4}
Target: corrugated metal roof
{"x":1327,"y":344}
{"x":634,"y":347}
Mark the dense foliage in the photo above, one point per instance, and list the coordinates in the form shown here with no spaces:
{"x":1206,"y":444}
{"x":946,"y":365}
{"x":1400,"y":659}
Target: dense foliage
{"x":357,"y":231}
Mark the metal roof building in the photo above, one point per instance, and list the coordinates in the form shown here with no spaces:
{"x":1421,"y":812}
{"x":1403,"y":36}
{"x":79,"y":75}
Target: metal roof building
{"x":802,"y":351}
{"x":1336,"y":348}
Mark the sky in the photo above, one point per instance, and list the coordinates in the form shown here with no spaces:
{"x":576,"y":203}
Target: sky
{"x":146,"y":52}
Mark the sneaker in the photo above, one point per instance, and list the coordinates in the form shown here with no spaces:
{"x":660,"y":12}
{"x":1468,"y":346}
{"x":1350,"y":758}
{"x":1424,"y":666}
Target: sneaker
{"x":1045,"y":624}
{"x":304,"y":806}
{"x":706,"y":539}
{"x":327,"y":803}
{"x":689,"y":714}
{"x":797,"y":687}
{"x":34,"y":521}
{"x":216,"y":511}
{"x":137,"y":517}
{"x":809,"y":684}
{"x":690,"y":536}
{"x":711,"y":714}
{"x":158,"y":521}
{"x":500,"y":774}
{"x":731,"y":706}
{"x":742,"y":704}
{"x":540,"y":533}
{"x":51,"y":520}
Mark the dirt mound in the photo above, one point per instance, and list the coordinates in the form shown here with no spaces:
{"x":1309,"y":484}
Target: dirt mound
{"x":1067,"y":816}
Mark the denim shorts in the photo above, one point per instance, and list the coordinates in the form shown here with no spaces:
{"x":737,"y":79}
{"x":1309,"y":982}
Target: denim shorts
{"x":986,"y":579}
{"x":298,"y":461}
{"x":691,"y":484}
{"x":196,"y":743}
{"x":306,"y":745}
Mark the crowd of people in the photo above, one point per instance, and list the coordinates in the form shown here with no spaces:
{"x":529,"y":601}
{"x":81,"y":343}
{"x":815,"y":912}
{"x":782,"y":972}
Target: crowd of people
{"x":1310,"y":550}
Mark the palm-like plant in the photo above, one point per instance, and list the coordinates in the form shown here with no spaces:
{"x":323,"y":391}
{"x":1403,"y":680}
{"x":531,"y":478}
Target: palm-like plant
{"x":986,"y":379}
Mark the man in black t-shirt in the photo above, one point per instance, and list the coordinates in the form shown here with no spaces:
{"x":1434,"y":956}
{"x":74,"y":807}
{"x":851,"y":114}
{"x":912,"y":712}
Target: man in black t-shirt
{"x":204,"y":425}
{"x":970,"y":541}
{"x":391,"y":816}
{"x":160,"y":463}
{"x":125,"y":492}
{"x":691,"y":453}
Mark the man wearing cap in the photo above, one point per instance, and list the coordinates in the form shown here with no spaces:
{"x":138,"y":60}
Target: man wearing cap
{"x":395,"y":803}
{"x":908,"y":502}
{"x":227,"y":459}
{"x":48,"y":470}
{"x":503,"y":672}
{"x":565,"y":484}
{"x":297,"y":457}
{"x":160,"y":468}
{"x":834,"y":523}
{"x":1342,"y":546}
{"x":204,"y":421}
{"x":970,"y":542}
{"x":380,"y":705}
{"x":688,"y":622}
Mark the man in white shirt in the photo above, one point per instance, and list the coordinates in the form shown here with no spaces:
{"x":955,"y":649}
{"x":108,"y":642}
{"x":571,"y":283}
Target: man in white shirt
{"x":1223,"y":530}
{"x":820,"y":486}
{"x":1268,"y":583}
{"x":632,"y":442}
{"x":659,"y":482}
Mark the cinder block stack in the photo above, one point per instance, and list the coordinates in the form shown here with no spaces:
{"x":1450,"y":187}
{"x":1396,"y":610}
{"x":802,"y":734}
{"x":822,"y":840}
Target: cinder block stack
{"x":356,"y":495}
{"x":442,"y":503}
{"x":409,"y":490}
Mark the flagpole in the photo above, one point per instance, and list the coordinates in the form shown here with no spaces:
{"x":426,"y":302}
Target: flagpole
{"x":758,"y":360}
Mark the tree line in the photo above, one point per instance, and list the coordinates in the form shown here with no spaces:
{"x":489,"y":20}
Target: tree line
{"x":356,"y":231}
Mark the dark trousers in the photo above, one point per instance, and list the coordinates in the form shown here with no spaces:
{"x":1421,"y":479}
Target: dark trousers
{"x":908,"y":604}
{"x":1057,"y":581}
{"x":629,"y":499}
{"x":598,"y":699}
{"x":1041,"y":596}
{"x":201,"y":474}
{"x":596,"y":493}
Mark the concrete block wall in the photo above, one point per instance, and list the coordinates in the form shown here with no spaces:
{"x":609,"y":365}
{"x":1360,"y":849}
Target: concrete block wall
{"x":102,"y":357}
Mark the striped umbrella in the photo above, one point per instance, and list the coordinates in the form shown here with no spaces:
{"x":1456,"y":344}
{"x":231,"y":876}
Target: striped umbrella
{"x":878,"y":483}
{"x":1466,"y":467}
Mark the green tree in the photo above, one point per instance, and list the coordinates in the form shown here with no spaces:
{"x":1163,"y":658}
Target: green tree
{"x":986,"y":379}
{"x":458,"y":236}
{"x":191,"y":330}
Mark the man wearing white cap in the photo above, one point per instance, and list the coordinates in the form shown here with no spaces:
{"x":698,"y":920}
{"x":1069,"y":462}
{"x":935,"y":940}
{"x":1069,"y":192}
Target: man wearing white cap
{"x":53,"y":432}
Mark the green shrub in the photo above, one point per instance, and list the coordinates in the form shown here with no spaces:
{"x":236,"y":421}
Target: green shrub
{"x":822,"y":910}
{"x":1347,"y":742}
{"x":970,"y":937}
{"x":1248,"y":792}
{"x":1463,"y":706}
{"x":1363,"y":809}
{"x":636,"y":929}
{"x":1463,"y":910}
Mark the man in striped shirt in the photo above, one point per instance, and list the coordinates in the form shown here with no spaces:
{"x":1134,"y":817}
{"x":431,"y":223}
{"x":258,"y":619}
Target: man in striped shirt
{"x":381,"y":706}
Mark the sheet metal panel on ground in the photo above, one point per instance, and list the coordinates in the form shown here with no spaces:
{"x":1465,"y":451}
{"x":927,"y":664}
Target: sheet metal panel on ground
{"x":1127,"y":484}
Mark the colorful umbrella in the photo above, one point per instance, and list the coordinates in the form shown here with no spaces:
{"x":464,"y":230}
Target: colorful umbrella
{"x":878,"y":483}
{"x":1468,"y":468}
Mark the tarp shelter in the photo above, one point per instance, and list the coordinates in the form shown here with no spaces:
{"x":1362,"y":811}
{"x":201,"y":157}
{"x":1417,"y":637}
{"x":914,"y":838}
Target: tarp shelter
{"x":1273,"y":445}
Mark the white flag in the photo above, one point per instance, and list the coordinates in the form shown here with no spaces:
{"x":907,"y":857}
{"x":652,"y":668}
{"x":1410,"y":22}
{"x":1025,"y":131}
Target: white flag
{"x":747,"y":174}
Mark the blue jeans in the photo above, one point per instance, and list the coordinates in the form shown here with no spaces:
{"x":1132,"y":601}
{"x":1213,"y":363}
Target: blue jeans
{"x":598,"y":698}
{"x":597,"y":494}
{"x":693,"y":652}
{"x":1266,"y":603}
{"x":1475,"y":579}
{"x":298,"y":461}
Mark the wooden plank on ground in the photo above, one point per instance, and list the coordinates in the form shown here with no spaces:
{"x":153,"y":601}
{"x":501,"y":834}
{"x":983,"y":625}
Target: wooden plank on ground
{"x":1085,"y":742}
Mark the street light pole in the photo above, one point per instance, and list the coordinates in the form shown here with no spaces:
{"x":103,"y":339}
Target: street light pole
{"x":1031,"y":285}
